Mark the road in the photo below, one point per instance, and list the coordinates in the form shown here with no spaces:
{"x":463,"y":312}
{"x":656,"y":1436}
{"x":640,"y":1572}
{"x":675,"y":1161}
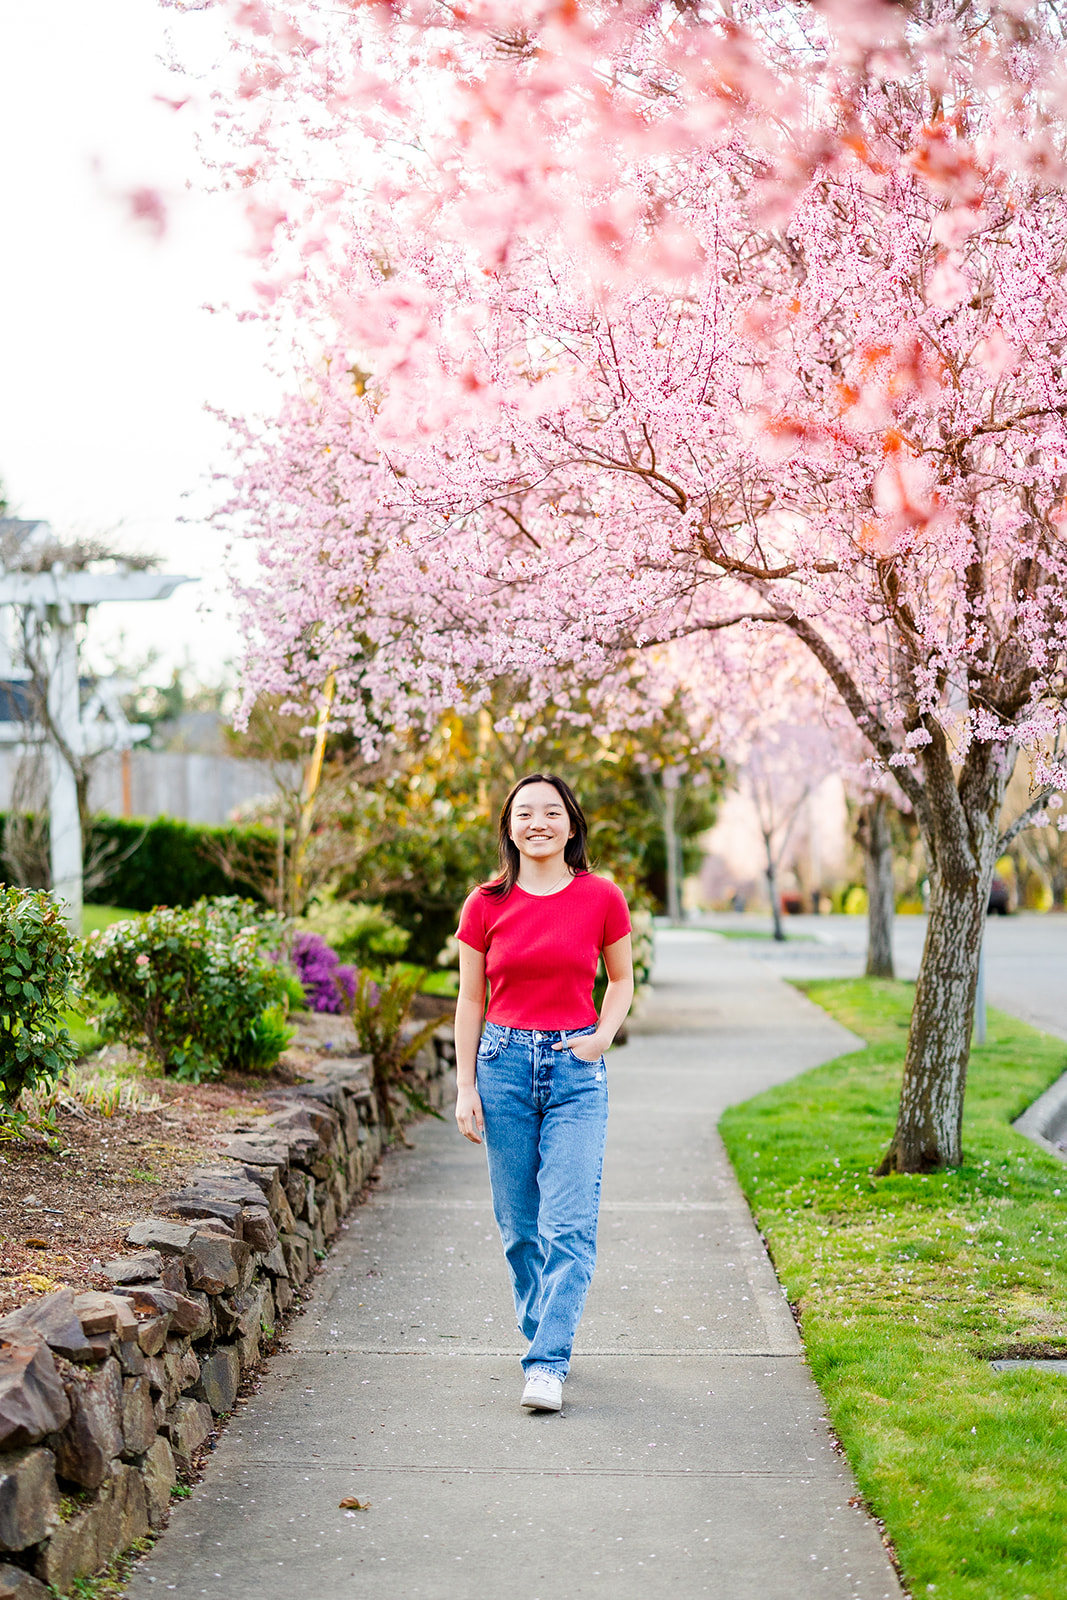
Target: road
{"x":1026,"y":956}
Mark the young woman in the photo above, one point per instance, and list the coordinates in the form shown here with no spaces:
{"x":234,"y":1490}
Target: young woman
{"x":533,"y":1079}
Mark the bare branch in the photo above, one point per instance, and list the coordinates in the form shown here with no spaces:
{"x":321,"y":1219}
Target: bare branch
{"x":1025,"y":818}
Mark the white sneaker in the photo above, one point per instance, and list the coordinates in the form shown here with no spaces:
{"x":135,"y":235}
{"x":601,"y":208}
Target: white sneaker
{"x":543,"y":1392}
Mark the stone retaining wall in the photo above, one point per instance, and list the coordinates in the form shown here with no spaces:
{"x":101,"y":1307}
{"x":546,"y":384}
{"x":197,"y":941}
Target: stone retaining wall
{"x":105,"y":1398}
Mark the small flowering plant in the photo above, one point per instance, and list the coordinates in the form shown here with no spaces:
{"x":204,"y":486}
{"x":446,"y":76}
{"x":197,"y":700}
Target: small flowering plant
{"x":328,"y":985}
{"x":194,"y":988}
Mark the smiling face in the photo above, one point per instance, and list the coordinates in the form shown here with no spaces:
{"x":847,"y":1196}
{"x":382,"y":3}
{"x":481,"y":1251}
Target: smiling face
{"x":539,"y":824}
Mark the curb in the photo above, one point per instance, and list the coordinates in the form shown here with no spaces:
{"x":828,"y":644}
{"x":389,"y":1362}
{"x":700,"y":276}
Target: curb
{"x":1045,"y":1122}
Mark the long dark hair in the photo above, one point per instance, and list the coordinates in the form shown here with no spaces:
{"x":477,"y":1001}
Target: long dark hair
{"x":574,"y":853}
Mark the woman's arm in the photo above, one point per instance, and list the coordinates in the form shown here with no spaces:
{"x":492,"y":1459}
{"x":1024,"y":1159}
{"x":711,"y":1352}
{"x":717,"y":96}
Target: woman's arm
{"x":619,"y":966}
{"x":470,"y":1008}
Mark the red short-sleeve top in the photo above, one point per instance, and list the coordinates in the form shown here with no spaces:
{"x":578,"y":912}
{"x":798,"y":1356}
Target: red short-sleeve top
{"x":541,"y":951}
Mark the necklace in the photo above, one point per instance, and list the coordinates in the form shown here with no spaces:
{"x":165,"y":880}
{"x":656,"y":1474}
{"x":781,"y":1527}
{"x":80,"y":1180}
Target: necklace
{"x":541,"y":893}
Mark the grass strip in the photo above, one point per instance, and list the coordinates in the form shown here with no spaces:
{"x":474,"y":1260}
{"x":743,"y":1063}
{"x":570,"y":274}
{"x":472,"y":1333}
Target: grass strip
{"x":94,"y":918}
{"x":906,"y":1287}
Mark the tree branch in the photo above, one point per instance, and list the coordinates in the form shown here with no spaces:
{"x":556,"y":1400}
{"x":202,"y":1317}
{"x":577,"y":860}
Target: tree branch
{"x":1025,"y":818}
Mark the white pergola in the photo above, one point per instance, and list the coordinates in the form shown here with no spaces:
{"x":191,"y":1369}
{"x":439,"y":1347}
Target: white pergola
{"x":60,"y":601}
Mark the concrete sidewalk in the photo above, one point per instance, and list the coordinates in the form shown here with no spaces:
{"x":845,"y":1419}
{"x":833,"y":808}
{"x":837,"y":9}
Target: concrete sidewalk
{"x":690,"y":1457}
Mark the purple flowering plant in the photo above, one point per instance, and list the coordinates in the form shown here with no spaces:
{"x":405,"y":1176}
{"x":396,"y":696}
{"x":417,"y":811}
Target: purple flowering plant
{"x":328,"y":985}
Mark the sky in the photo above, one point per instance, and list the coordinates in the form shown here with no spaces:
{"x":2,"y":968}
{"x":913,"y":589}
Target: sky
{"x":108,"y":359}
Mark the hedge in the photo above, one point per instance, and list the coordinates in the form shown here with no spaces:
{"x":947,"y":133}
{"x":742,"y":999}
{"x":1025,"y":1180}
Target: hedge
{"x":167,"y":862}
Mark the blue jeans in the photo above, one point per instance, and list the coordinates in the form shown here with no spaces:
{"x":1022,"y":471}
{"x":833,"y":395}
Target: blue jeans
{"x":546,"y":1115}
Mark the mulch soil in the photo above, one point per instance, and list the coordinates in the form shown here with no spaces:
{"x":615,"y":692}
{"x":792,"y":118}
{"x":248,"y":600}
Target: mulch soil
{"x":65,"y":1205}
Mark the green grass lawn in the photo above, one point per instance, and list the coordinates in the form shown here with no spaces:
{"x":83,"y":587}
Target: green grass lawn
{"x":752,"y":933}
{"x":96,"y":917}
{"x":906,"y":1286}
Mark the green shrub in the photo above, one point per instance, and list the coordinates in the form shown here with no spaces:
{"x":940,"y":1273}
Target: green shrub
{"x":268,"y":1036}
{"x":166,"y":862}
{"x":37,"y":963}
{"x":295,"y":994}
{"x":357,"y":932}
{"x":194,"y":988}
{"x":379,"y":1014}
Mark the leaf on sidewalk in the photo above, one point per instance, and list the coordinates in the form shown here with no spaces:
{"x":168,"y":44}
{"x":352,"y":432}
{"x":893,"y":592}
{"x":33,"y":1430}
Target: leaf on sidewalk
{"x":350,"y":1503}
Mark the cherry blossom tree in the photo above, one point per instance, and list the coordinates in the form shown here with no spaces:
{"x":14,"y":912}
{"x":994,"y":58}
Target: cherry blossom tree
{"x":629,"y":326}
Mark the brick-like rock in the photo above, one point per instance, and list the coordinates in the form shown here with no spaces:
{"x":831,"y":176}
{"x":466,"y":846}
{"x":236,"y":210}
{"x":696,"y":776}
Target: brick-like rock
{"x":141,"y":1268}
{"x":187,"y":1314}
{"x":55,"y":1319}
{"x":33,"y":1401}
{"x":283,"y":1212}
{"x":257,"y":1229}
{"x":172,"y":1276}
{"x":328,"y":1216}
{"x":226,"y":1182}
{"x":188,"y":1424}
{"x":160,"y":1476}
{"x":106,"y":1313}
{"x":18,"y":1584}
{"x":314,"y":1235}
{"x":29,"y":1497}
{"x":215,"y":1228}
{"x":210,"y":1264}
{"x":297,"y":1189}
{"x":102,"y":1531}
{"x":182,"y":1368}
{"x":260,"y":1150}
{"x":268,"y":1314}
{"x":247,"y":1261}
{"x":152,"y":1333}
{"x":319,"y":1164}
{"x":283,"y":1295}
{"x":169,"y":1238}
{"x":192,"y":1314}
{"x":187,"y":1203}
{"x":298,"y":1257}
{"x":248,"y":1348}
{"x":220,"y":1374}
{"x":291,"y":1118}
{"x":131,"y":1358}
{"x":338,"y":1189}
{"x":274,"y":1262}
{"x":156,"y":1373}
{"x":138,"y":1417}
{"x":266,"y":1180}
{"x":237,"y":1313}
{"x":92,"y":1438}
{"x":326,"y":1094}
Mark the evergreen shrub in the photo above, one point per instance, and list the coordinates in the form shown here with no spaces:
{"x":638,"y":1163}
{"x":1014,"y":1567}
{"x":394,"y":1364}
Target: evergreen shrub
{"x":167,"y":862}
{"x":196,"y":988}
{"x":37,"y":969}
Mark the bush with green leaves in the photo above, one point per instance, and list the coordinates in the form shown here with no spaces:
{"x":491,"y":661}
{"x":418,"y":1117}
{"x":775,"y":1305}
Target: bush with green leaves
{"x":197,"y":989}
{"x":379,"y":1012}
{"x":356,"y":931}
{"x":37,"y":969}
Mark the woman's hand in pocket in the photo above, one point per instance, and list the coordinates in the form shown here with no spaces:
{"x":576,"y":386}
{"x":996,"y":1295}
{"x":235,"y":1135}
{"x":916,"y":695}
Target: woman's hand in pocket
{"x":587,"y":1047}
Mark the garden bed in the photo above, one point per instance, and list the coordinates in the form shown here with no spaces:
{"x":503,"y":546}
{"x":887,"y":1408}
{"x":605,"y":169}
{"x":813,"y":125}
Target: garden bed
{"x":66,"y":1200}
{"x":906,"y":1288}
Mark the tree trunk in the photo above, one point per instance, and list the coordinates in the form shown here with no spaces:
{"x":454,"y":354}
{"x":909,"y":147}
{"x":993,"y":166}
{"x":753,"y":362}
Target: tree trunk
{"x":881,"y":894}
{"x":962,"y":850}
{"x":670,"y":841}
{"x":776,"y":899}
